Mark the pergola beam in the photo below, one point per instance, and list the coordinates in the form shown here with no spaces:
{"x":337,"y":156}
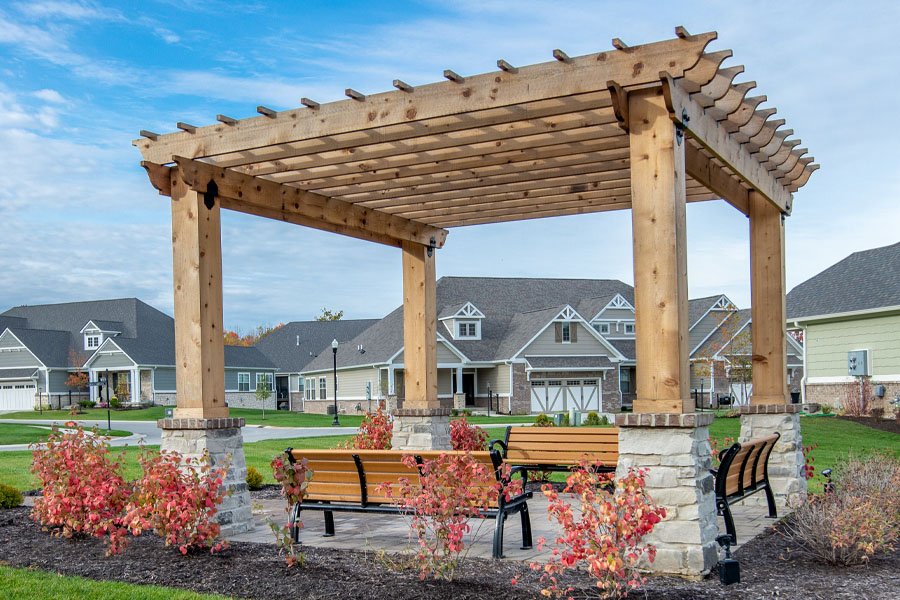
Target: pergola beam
{"x":256,"y":196}
{"x":706,"y":131}
{"x":715,"y":178}
{"x":579,"y":75}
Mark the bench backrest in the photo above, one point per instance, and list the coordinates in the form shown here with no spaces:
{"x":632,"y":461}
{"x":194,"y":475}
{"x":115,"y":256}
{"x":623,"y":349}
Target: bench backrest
{"x":561,"y":445}
{"x":338,"y":474}
{"x":744,"y":465}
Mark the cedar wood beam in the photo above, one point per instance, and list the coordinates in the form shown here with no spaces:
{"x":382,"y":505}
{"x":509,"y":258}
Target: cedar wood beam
{"x":706,"y":130}
{"x":635,"y":66}
{"x":251,"y":195}
{"x":716,"y":179}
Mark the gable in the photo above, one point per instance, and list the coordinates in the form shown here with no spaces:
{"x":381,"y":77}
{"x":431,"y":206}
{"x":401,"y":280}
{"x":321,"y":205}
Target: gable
{"x":444,"y":355}
{"x":14,"y":354}
{"x":584,"y":343}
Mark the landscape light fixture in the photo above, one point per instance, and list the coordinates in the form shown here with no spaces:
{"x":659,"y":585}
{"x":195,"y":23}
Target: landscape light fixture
{"x":334,"y":347}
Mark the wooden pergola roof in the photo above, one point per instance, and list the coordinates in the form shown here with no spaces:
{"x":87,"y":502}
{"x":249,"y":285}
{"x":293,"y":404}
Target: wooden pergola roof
{"x":520,"y":143}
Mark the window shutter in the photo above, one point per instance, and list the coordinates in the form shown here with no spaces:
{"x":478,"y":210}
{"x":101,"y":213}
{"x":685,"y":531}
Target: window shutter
{"x":573,"y":332}
{"x":558,"y":332}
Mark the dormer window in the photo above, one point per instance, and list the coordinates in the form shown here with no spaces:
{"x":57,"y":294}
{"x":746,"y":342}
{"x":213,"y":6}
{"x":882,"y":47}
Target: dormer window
{"x":92,"y":341}
{"x":629,"y":327}
{"x":602,"y":328}
{"x":468,"y":330}
{"x":566,"y":333}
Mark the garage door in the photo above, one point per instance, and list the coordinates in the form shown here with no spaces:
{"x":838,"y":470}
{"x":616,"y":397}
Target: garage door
{"x":559,"y":395}
{"x":17,"y":395}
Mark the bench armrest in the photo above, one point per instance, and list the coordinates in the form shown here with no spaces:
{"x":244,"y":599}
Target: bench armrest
{"x":521,"y":470}
{"x":715,"y":472}
{"x":502,"y":445}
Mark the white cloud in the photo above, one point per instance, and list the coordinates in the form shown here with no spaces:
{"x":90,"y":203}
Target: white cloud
{"x":169,"y":37}
{"x":75,"y":11}
{"x":50,"y":96}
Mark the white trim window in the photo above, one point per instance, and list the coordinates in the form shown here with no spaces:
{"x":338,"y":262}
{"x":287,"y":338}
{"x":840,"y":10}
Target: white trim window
{"x":300,"y":381}
{"x":92,"y":341}
{"x":602,"y":328}
{"x":323,"y":388}
{"x":629,"y":327}
{"x":265,"y":380}
{"x":468,"y":330}
{"x":566,"y":333}
{"x":243,"y":382}
{"x":311,"y":388}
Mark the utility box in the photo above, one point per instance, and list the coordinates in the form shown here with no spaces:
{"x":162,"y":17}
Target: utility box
{"x":857,"y":362}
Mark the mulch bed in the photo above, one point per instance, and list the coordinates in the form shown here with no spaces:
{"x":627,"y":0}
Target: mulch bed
{"x":247,"y":570}
{"x":889,"y":425}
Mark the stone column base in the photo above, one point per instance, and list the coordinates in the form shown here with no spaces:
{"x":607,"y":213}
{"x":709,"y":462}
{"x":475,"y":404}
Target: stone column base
{"x":421,"y":429}
{"x":675,"y":450}
{"x":786,"y":463}
{"x":459,"y":401}
{"x":223,"y":440}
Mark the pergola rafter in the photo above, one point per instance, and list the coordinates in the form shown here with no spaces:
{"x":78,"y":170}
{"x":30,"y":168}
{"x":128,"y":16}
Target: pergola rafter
{"x":552,"y":139}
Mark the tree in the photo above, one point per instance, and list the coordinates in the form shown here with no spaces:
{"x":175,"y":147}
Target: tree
{"x":328,"y":315}
{"x":740,"y":358}
{"x":704,"y":363}
{"x":263,"y":391}
{"x":79,"y":379}
{"x":235,"y":337}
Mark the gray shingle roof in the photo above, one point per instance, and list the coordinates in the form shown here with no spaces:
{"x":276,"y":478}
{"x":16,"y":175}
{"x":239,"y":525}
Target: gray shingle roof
{"x":50,"y":347}
{"x":23,"y":373}
{"x":568,"y":362}
{"x":864,"y":280}
{"x":515,"y":309}
{"x":626,"y":347}
{"x":295,"y":345}
{"x":698,"y":307}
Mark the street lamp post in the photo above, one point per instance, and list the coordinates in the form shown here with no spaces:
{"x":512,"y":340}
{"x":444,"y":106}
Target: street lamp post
{"x":334,"y":347}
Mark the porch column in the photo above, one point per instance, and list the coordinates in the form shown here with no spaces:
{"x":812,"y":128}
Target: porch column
{"x":770,"y":410}
{"x":663,"y":434}
{"x":459,"y":397}
{"x":201,"y":422}
{"x":422,"y":423}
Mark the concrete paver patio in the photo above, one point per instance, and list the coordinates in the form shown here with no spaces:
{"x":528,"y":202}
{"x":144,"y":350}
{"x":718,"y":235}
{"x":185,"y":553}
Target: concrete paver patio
{"x":390,"y":533}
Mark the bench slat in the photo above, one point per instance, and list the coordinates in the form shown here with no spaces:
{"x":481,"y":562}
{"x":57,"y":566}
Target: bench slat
{"x":591,"y":446}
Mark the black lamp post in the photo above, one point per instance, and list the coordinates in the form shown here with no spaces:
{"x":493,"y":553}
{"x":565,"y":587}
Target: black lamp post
{"x":334,"y":346}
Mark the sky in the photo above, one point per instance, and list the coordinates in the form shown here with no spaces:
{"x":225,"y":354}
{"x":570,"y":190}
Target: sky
{"x":79,"y":219}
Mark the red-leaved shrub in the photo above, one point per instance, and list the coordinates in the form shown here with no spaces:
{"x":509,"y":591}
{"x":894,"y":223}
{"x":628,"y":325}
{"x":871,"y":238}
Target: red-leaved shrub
{"x":83,"y":488}
{"x":603,"y":533}
{"x":178,"y":498}
{"x":451,"y":490}
{"x":374,"y":433}
{"x":464,"y":436}
{"x":294,"y":479}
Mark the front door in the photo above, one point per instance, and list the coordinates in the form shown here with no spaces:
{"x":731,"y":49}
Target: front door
{"x":281,"y":387}
{"x":469,"y":388}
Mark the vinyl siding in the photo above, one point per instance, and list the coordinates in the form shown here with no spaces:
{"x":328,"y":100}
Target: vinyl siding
{"x":498,"y":378}
{"x":444,"y":355}
{"x":546,"y":344}
{"x":828,"y":344}
{"x":113,"y":360}
{"x":15,"y":358}
{"x":164,"y":379}
{"x":445,"y":381}
{"x":231,"y":378}
{"x":352,"y":383}
{"x":58,"y":382}
{"x":705,"y":327}
{"x":613,"y":314}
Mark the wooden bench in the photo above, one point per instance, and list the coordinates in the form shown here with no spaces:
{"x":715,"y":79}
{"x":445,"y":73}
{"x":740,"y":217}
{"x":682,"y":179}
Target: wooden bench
{"x":743,"y":471}
{"x":559,"y":448}
{"x":348,"y":480}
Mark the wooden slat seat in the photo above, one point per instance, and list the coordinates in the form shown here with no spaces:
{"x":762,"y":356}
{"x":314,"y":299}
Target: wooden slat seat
{"x":349,"y":480}
{"x":743,"y":471}
{"x":559,"y":448}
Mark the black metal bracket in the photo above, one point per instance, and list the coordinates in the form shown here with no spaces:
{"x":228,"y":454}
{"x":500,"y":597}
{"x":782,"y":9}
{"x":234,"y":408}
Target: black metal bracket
{"x":209,"y":196}
{"x":679,"y":127}
{"x":432,"y":244}
{"x":363,"y":491}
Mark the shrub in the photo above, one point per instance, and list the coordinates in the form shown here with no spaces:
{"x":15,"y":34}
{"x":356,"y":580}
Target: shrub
{"x":855,"y":521}
{"x":83,"y":488}
{"x":716,"y":446}
{"x":294,"y":479}
{"x":454,"y":412}
{"x":464,"y":436}
{"x":452,"y":489}
{"x":827,"y":409}
{"x":604,"y":420}
{"x":466,"y":412}
{"x":374,"y":433}
{"x":177,"y":498}
{"x":565,"y":419}
{"x":604,"y":533}
{"x":86,"y":403}
{"x":254,"y":479}
{"x":592,"y":419}
{"x":543,"y":420}
{"x":9,"y":496}
{"x":114,"y":402}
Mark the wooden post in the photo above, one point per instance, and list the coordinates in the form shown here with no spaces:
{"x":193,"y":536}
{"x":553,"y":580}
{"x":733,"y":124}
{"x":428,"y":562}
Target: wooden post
{"x":660,"y":256}
{"x":419,"y":328}
{"x":197,"y":275}
{"x":767,"y":302}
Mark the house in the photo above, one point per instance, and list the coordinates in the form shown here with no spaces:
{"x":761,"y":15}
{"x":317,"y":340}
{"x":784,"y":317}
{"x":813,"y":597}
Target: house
{"x":722,"y":359}
{"x":851,"y":311}
{"x":125,"y":340}
{"x":294,"y":345}
{"x":532,"y":345}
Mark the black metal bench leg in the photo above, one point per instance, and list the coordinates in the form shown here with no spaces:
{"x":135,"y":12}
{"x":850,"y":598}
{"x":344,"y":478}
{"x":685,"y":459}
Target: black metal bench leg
{"x":770,"y":498}
{"x":329,"y":524}
{"x":526,"y":527}
{"x":729,"y":522}
{"x":292,"y":521}
{"x":498,"y":535}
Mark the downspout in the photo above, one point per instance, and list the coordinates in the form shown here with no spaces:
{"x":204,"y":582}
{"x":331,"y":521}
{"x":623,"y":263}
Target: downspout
{"x":511,"y":390}
{"x":805,"y":368}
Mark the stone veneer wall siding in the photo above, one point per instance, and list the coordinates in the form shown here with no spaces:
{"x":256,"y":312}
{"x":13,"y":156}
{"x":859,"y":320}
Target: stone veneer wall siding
{"x":146,"y":394}
{"x":521,"y":392}
{"x":612,"y":392}
{"x":233,"y":399}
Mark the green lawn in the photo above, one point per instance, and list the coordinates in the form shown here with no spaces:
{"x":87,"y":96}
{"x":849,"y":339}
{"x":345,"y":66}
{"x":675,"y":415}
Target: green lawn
{"x":24,"y":584}
{"x":13,"y":433}
{"x":275,"y":418}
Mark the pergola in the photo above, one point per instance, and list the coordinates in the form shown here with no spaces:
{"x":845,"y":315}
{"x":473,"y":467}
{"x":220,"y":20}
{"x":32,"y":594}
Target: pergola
{"x":647,"y":127}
